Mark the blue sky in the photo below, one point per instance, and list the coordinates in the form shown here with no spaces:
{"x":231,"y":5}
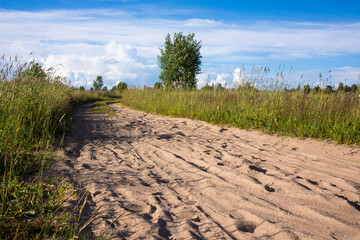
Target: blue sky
{"x":120,"y":40}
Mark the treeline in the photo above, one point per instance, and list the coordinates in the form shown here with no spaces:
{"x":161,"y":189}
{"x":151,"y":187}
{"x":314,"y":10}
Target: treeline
{"x":306,"y":88}
{"x":98,"y":85}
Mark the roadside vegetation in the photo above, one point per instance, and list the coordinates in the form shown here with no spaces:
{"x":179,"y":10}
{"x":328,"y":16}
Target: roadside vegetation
{"x":257,"y":100}
{"x":35,"y":112}
{"x":321,"y":113}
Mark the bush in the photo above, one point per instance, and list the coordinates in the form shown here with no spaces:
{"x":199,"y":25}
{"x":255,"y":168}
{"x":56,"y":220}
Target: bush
{"x":158,"y":85}
{"x":120,"y":86}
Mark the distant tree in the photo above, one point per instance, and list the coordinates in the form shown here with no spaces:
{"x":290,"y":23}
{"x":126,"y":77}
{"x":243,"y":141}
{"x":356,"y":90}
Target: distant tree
{"x":82,"y":88}
{"x":98,"y":83}
{"x":91,"y":89}
{"x":180,"y":61}
{"x":119,"y":86}
{"x":347,"y":88}
{"x":354,"y":88}
{"x":207,"y":87}
{"x":158,"y":85}
{"x":307,"y":89}
{"x":317,"y":89}
{"x":104,"y":88}
{"x":340,"y":87}
{"x":329,"y":89}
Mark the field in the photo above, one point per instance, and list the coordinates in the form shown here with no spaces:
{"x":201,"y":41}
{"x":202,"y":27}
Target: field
{"x":332,"y":116}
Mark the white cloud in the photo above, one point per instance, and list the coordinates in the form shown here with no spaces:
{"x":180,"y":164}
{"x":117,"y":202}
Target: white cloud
{"x":213,"y":79}
{"x":196,"y":22}
{"x":346,"y":75}
{"x":117,"y":62}
{"x":239,"y":78}
{"x":90,"y":42}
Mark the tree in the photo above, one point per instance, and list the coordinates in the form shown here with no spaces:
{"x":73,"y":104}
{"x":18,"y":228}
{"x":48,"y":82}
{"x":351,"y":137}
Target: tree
{"x":307,"y":89}
{"x":98,"y":83}
{"x":158,"y":85}
{"x":329,"y":89}
{"x":119,"y":86}
{"x":340,"y":87}
{"x":180,"y":61}
{"x":354,"y":88}
{"x":317,"y":89}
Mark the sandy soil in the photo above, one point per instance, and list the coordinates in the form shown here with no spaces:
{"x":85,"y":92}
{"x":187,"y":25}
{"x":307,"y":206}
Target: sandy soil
{"x":172,"y":178}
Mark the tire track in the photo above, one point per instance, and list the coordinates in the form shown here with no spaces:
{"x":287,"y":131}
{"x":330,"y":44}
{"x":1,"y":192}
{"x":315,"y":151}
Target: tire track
{"x":173,"y":178}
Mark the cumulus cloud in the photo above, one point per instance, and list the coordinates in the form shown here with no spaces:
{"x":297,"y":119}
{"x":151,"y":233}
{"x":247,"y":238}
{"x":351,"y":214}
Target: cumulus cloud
{"x":213,"y":79}
{"x":117,"y":62}
{"x":347,"y":75}
{"x":239,"y":78}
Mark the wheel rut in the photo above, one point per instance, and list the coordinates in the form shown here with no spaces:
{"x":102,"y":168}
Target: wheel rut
{"x":154,"y":177}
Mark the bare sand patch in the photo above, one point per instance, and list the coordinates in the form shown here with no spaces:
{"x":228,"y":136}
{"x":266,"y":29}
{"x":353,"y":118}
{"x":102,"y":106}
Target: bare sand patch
{"x":172,"y":178}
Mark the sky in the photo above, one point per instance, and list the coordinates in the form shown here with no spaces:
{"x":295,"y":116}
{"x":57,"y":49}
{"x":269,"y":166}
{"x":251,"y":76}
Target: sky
{"x":120,"y":39}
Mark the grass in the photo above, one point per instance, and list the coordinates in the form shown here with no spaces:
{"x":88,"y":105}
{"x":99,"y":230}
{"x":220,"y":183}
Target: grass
{"x":35,"y":112}
{"x":80,"y":97}
{"x":334,"y":116}
{"x":102,"y":107}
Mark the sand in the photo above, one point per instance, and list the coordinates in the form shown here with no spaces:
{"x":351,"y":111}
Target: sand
{"x":174,"y":178}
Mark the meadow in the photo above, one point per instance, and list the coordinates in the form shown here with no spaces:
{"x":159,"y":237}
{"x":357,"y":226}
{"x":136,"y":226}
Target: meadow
{"x":35,"y":112}
{"x":303,"y":113}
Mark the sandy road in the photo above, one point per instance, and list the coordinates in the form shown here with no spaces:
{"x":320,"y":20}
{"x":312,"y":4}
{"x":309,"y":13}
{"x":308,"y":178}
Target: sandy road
{"x":172,"y":178}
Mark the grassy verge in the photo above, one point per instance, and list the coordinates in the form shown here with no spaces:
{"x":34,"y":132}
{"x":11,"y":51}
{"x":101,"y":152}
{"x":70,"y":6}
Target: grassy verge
{"x":334,"y":116}
{"x":79,"y":97}
{"x":102,"y":107}
{"x":35,"y":109}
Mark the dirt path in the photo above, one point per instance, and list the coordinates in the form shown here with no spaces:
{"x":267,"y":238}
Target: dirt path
{"x":172,"y":178}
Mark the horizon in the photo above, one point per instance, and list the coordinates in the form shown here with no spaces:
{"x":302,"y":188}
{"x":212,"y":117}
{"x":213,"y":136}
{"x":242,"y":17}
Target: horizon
{"x":120,"y":40}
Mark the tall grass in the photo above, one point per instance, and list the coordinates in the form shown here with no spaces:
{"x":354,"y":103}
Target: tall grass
{"x":80,"y":96}
{"x":295,"y":113}
{"x":35,"y":108}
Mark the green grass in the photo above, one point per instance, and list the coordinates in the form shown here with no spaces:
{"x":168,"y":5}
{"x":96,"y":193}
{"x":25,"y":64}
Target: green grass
{"x":35,"y":112}
{"x":102,"y":107}
{"x":80,"y":97}
{"x":333,"y":116}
